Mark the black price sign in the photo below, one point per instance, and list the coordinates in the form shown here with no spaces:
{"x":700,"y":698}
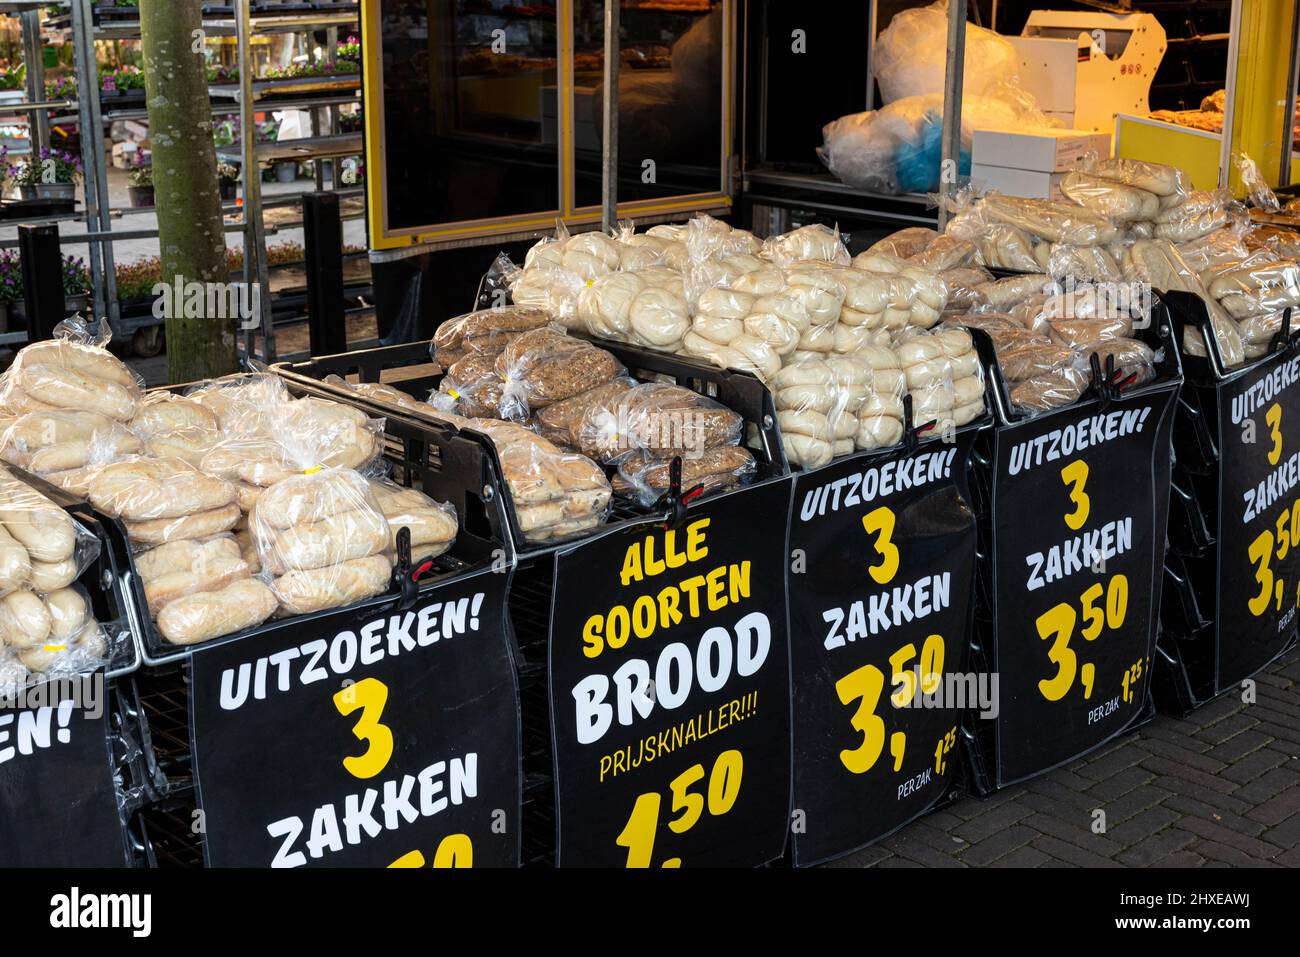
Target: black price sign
{"x":1078,"y":535}
{"x":670,"y":689}
{"x":58,"y":804}
{"x":372,"y":737}
{"x":882,"y":553}
{"x":1259,"y":516}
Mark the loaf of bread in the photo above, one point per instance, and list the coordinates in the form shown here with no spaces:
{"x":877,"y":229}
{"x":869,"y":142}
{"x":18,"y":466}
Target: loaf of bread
{"x":302,"y":592}
{"x":204,"y":615}
{"x":432,"y":525}
{"x":560,"y":421}
{"x":63,"y":374}
{"x":666,"y":420}
{"x":484,"y":331}
{"x":140,"y":490}
{"x":648,"y":477}
{"x":540,"y":367}
{"x":181,"y":568}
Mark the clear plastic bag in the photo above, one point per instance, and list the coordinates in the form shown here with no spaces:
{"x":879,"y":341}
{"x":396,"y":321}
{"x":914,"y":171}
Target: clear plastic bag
{"x":910,"y":55}
{"x":432,"y":525}
{"x":664,"y":420}
{"x":471,"y":387}
{"x":1115,"y":201}
{"x":646,"y":477}
{"x":73,"y":371}
{"x":813,"y":242}
{"x":54,"y":633}
{"x":880,"y":417}
{"x":484,"y":330}
{"x":322,"y":540}
{"x":556,"y":495}
{"x":42,"y":547}
{"x":806,"y":397}
{"x":1050,"y":220}
{"x":561,"y":421}
{"x":1257,"y":188}
{"x":543,"y":366}
{"x":1168,"y":182}
{"x":905,"y":243}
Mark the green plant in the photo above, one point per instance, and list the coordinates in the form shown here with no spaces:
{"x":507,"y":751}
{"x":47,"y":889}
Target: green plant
{"x":136,"y":280}
{"x":11,"y":276}
{"x":121,"y":79}
{"x":76,"y":277}
{"x":218,"y":74}
{"x":142,"y":176}
{"x":228,"y":173}
{"x":61,"y":88}
{"x":13,"y":78}
{"x":47,"y":168}
{"x":349,"y":49}
{"x":299,"y":71}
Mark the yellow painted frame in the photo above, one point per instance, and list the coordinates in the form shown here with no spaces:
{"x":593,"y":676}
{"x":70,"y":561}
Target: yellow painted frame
{"x":483,"y":230}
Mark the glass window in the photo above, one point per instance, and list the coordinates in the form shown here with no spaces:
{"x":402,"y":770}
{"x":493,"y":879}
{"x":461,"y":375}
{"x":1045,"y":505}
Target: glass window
{"x":670,"y":130}
{"x":470,"y":119}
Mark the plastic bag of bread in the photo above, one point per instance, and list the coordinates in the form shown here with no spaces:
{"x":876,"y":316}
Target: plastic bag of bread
{"x":905,"y":243}
{"x":1083,"y":263}
{"x":544,"y":366}
{"x":996,"y":245}
{"x":1134,"y":360}
{"x":63,"y":440}
{"x":1002,"y":294}
{"x":946,"y":252}
{"x":880,"y":417}
{"x":556,"y":495}
{"x":470,"y":387}
{"x":309,"y":433}
{"x":810,"y":242}
{"x":966,"y":372}
{"x":1115,"y":201}
{"x":646,"y":477}
{"x":964,"y":284}
{"x":1061,"y":385}
{"x":928,"y":378}
{"x":484,"y":330}
{"x":42,"y":547}
{"x":204,"y":615}
{"x":54,"y":632}
{"x":1200,"y":214}
{"x":243,"y":403}
{"x":1050,"y":220}
{"x":1283,"y":242}
{"x":805,"y":394}
{"x":382,"y":394}
{"x":560,"y":421}
{"x":174,"y":426}
{"x":663,"y":419}
{"x":1256,"y":286}
{"x":432,"y":525}
{"x":625,"y":307}
{"x":322,"y":540}
{"x":1168,"y":182}
{"x":73,"y":371}
{"x":187,"y":566}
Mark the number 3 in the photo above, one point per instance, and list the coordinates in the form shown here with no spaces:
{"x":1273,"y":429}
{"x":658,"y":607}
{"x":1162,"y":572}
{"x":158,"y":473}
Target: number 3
{"x":882,"y":520}
{"x":1274,"y":419}
{"x":1075,"y":475}
{"x":370,"y":695}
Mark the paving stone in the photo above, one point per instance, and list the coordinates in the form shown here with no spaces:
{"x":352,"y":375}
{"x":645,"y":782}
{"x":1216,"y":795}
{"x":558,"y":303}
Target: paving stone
{"x":1144,"y":825}
{"x":990,"y":822}
{"x":1068,"y":853}
{"x":1113,"y":763}
{"x":1154,"y":848}
{"x":1247,"y":769}
{"x":997,"y":845}
{"x":1285,"y":835}
{"x":1267,"y":785}
{"x":1134,"y":802}
{"x":1222,"y":854}
{"x":1188,"y":805}
{"x":1078,"y":832}
{"x":1213,"y":831}
{"x":1238,"y":746}
{"x":1022,"y":857}
{"x":1121,"y":782}
{"x":1174,"y":769}
{"x":1225,"y":729}
{"x":1277,"y":808}
{"x":1182,"y":859}
{"x":1186,"y":756}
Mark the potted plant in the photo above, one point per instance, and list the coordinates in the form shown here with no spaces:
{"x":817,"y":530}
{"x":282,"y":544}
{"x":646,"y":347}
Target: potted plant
{"x":13,"y":84}
{"x":349,"y":49}
{"x":76,"y":284}
{"x":228,"y":179}
{"x":136,"y":281}
{"x":141,"y":187}
{"x":51,"y":174}
{"x":11,"y":284}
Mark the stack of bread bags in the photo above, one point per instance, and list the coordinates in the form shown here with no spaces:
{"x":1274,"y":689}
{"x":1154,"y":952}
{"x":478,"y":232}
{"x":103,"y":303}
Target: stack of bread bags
{"x":544,"y":366}
{"x":64,"y":379}
{"x":196,"y":582}
{"x":432,"y":525}
{"x":483,"y":332}
{"x":556,"y":495}
{"x":322,"y":539}
{"x":46,"y":623}
{"x":642,"y":429}
{"x":817,"y":399}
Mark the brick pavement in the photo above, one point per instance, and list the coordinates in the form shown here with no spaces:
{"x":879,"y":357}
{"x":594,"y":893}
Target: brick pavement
{"x":1219,"y":788}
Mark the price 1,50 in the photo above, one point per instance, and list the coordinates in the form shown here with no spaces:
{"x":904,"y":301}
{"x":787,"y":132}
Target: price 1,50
{"x":1100,"y":607}
{"x":722,"y":790}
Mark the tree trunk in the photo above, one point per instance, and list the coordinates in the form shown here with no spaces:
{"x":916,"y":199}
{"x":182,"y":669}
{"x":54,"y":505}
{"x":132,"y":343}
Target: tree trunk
{"x":186,"y":191}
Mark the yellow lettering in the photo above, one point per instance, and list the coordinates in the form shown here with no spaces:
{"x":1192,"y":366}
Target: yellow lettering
{"x":592,"y":643}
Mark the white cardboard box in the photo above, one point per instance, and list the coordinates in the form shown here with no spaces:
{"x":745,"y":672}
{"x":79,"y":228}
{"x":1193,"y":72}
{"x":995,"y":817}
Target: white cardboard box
{"x":1030,"y":183}
{"x":1047,"y":151}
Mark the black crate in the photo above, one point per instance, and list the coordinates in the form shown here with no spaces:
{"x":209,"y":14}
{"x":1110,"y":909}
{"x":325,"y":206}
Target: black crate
{"x":428,"y":456}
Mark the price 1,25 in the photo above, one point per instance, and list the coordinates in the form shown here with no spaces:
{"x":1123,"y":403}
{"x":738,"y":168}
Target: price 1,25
{"x":1285,"y":535}
{"x":721,"y":792}
{"x":1100,"y":607}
